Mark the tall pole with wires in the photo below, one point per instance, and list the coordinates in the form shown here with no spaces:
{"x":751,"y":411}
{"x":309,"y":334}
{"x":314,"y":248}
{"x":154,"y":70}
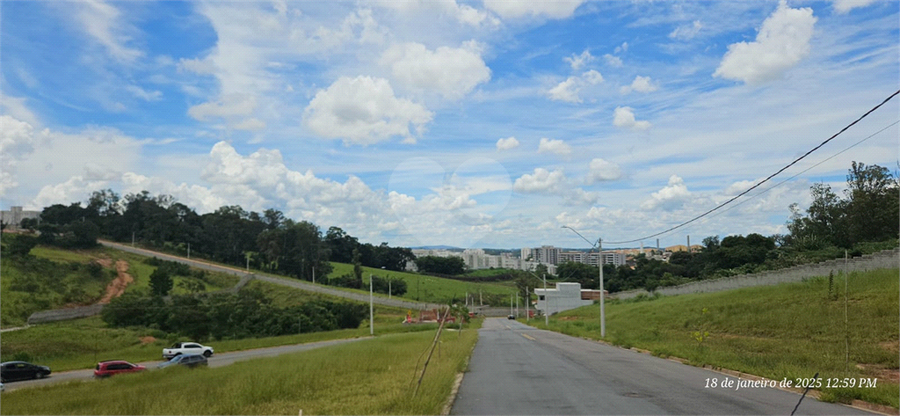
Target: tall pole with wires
{"x":598,"y":244}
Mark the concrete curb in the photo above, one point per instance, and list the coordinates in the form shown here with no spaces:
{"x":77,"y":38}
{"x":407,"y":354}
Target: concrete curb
{"x":453,"y":392}
{"x":457,"y":383}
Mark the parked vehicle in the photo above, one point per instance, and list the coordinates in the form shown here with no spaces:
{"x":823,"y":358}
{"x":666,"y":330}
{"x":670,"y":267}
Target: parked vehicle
{"x":113,"y":367}
{"x":20,"y":370}
{"x":180,"y":348}
{"x":188,"y":360}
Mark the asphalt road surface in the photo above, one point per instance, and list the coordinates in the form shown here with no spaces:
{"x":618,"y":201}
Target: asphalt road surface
{"x":217,"y":360}
{"x":520,"y":370}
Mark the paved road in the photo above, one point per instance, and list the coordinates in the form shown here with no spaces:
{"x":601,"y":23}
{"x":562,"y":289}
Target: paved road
{"x":520,"y":370}
{"x":299,"y":284}
{"x":217,"y":360}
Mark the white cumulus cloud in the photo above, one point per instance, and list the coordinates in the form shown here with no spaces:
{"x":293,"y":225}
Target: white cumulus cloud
{"x":450,"y":72}
{"x":541,"y":181}
{"x":569,"y":89}
{"x":514,"y":9}
{"x":507,"y":143}
{"x":640,"y":84}
{"x":566,"y":91}
{"x":16,"y":142}
{"x":613,"y":60}
{"x":554,"y":146}
{"x":579,"y":61}
{"x":782,"y":42}
{"x":363,"y":110}
{"x":602,"y":170}
{"x":624,"y":117}
{"x":670,"y":197}
{"x":844,"y":6}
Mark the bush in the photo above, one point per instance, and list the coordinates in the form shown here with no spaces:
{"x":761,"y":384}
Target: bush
{"x":230,"y":316}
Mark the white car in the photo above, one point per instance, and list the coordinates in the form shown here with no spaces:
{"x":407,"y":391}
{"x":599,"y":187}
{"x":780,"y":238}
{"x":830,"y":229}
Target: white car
{"x":180,"y":348}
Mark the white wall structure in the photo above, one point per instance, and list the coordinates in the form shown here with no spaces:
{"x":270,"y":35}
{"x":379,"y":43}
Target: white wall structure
{"x":563,"y":297}
{"x":13,"y":218}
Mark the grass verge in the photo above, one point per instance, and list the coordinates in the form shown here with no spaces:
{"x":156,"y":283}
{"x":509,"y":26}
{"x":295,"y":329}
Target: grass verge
{"x":785,"y":331}
{"x":374,"y":376}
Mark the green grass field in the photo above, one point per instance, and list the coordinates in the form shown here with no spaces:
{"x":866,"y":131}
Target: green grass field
{"x":374,"y":376}
{"x":428,"y":288}
{"x":789,"y":330}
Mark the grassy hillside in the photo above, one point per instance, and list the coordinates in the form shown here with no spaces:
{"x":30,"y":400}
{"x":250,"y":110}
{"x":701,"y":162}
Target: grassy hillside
{"x":428,"y":288}
{"x":368,"y":377}
{"x":788,"y":330}
{"x":54,"y":278}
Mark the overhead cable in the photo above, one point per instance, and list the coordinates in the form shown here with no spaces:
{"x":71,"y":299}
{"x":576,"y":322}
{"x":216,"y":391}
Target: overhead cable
{"x":764,"y":180}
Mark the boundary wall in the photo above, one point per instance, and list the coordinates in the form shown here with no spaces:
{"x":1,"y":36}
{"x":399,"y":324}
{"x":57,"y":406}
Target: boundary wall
{"x":887,"y":259}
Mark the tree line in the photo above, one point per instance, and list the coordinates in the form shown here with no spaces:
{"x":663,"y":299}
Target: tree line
{"x":246,"y":314}
{"x":266,"y":241}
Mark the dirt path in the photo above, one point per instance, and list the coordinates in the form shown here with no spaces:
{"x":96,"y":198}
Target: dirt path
{"x":117,"y":287}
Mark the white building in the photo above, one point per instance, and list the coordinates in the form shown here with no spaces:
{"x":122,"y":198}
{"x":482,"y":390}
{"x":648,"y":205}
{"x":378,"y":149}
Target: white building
{"x":609,"y":257}
{"x":476,"y":259}
{"x":13,"y":218}
{"x":563,"y":297}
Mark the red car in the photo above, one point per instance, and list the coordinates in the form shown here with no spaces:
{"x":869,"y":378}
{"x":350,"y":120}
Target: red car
{"x":113,"y":367}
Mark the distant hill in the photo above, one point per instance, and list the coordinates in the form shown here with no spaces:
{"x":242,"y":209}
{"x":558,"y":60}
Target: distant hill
{"x":436,"y":248}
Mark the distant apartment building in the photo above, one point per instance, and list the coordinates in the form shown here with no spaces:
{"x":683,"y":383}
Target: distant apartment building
{"x":542,"y":254}
{"x":13,"y":218}
{"x":476,"y":259}
{"x":555,"y":256}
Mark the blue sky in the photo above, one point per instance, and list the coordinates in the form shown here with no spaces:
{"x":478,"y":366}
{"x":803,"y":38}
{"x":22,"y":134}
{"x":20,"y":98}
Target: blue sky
{"x":475,"y":124}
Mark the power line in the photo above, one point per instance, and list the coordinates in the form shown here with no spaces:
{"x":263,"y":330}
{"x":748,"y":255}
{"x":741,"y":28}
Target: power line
{"x":813,"y":166}
{"x":766,"y":179}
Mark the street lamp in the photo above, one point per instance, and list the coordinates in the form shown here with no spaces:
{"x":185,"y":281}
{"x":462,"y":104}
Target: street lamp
{"x":599,"y":266}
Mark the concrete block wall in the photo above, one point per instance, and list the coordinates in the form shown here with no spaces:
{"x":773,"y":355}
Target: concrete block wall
{"x":64,"y":314}
{"x":888,"y":259}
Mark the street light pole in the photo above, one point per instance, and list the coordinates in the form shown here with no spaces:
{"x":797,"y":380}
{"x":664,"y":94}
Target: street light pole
{"x":599,"y":245}
{"x":602,"y":293}
{"x":546,"y":304}
{"x":371,"y":308}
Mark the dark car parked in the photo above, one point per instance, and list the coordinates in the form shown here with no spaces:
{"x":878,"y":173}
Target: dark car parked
{"x":20,"y":370}
{"x":187,"y":360}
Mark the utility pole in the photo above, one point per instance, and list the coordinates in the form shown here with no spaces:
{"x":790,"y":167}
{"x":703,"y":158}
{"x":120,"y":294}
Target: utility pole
{"x":371,"y":309}
{"x":189,"y":250}
{"x":546,"y":303}
{"x":602,"y":293}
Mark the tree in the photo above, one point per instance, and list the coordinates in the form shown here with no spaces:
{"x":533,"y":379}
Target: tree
{"x":340,"y":245}
{"x":160,"y":282}
{"x":872,"y":208}
{"x":295,"y":249}
{"x":582,"y":273}
{"x":870,"y":211}
{"x":357,"y":267}
{"x":441,"y":265}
